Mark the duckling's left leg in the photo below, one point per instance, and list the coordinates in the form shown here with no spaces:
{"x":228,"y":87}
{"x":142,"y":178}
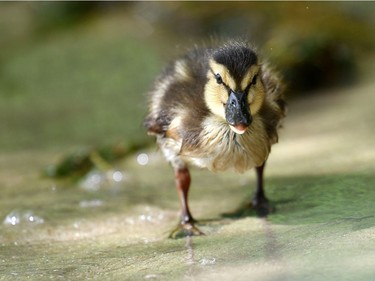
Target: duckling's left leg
{"x":186,"y":226}
{"x":260,"y":202}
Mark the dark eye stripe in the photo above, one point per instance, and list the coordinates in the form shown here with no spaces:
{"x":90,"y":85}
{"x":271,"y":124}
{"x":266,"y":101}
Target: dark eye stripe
{"x":253,"y":82}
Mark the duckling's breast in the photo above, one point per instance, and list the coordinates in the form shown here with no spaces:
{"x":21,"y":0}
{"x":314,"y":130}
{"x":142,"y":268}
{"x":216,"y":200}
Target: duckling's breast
{"x":221,"y":149}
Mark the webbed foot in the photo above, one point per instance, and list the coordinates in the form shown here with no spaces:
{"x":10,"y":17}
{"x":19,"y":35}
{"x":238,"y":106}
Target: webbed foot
{"x":185,"y":229}
{"x":262,"y":206}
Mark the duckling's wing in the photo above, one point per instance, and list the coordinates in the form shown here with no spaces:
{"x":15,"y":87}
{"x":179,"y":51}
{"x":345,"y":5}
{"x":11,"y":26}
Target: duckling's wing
{"x":177,"y":97}
{"x":274,"y":108}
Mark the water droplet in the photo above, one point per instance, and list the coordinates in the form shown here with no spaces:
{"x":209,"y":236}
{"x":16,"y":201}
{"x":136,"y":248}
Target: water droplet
{"x":151,"y":276}
{"x":12,"y":219}
{"x":207,"y":261}
{"x":96,"y":180}
{"x":30,"y":217}
{"x":18,"y":217}
{"x":93,"y":181}
{"x":142,"y":159}
{"x":117,"y":176}
{"x":144,"y":218}
{"x":148,"y":215}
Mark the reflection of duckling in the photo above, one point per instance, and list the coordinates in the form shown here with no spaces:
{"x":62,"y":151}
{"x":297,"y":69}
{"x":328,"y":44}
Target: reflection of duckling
{"x":216,"y":108}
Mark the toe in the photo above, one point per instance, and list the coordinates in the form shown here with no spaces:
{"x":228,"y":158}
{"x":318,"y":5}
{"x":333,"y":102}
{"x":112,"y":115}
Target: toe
{"x":185,"y":230}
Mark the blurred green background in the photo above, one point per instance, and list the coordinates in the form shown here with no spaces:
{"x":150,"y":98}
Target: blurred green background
{"x":76,"y":74}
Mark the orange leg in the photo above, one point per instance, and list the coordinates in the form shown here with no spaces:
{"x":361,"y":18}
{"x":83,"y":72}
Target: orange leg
{"x":182,"y":184}
{"x":186,"y":225}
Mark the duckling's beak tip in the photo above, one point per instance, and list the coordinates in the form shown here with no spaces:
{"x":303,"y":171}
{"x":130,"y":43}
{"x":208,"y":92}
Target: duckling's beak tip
{"x":239,"y":129}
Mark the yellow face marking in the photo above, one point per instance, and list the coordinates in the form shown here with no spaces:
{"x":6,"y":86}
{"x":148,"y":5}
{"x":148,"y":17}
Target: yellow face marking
{"x":216,"y":95}
{"x":249,"y":76}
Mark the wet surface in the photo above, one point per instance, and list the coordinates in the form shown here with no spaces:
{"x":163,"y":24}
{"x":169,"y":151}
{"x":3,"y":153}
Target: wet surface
{"x":114,"y":225}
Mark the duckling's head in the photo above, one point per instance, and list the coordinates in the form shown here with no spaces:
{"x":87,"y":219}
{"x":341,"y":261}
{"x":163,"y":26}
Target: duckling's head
{"x":234,"y":89}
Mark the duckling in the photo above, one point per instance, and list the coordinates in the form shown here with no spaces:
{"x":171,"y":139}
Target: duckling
{"x":217,"y":108}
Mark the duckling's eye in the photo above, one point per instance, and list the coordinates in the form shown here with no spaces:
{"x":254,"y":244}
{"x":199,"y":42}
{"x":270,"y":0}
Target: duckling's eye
{"x":219,"y":80}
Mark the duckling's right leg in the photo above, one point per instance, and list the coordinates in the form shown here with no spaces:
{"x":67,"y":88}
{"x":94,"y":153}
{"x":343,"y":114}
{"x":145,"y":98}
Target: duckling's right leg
{"x":183,"y":184}
{"x":186,"y":226}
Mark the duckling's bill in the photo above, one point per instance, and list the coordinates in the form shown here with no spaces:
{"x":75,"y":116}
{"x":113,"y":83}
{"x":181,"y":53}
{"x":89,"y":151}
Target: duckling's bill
{"x":237,"y":112}
{"x":239,"y":129}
